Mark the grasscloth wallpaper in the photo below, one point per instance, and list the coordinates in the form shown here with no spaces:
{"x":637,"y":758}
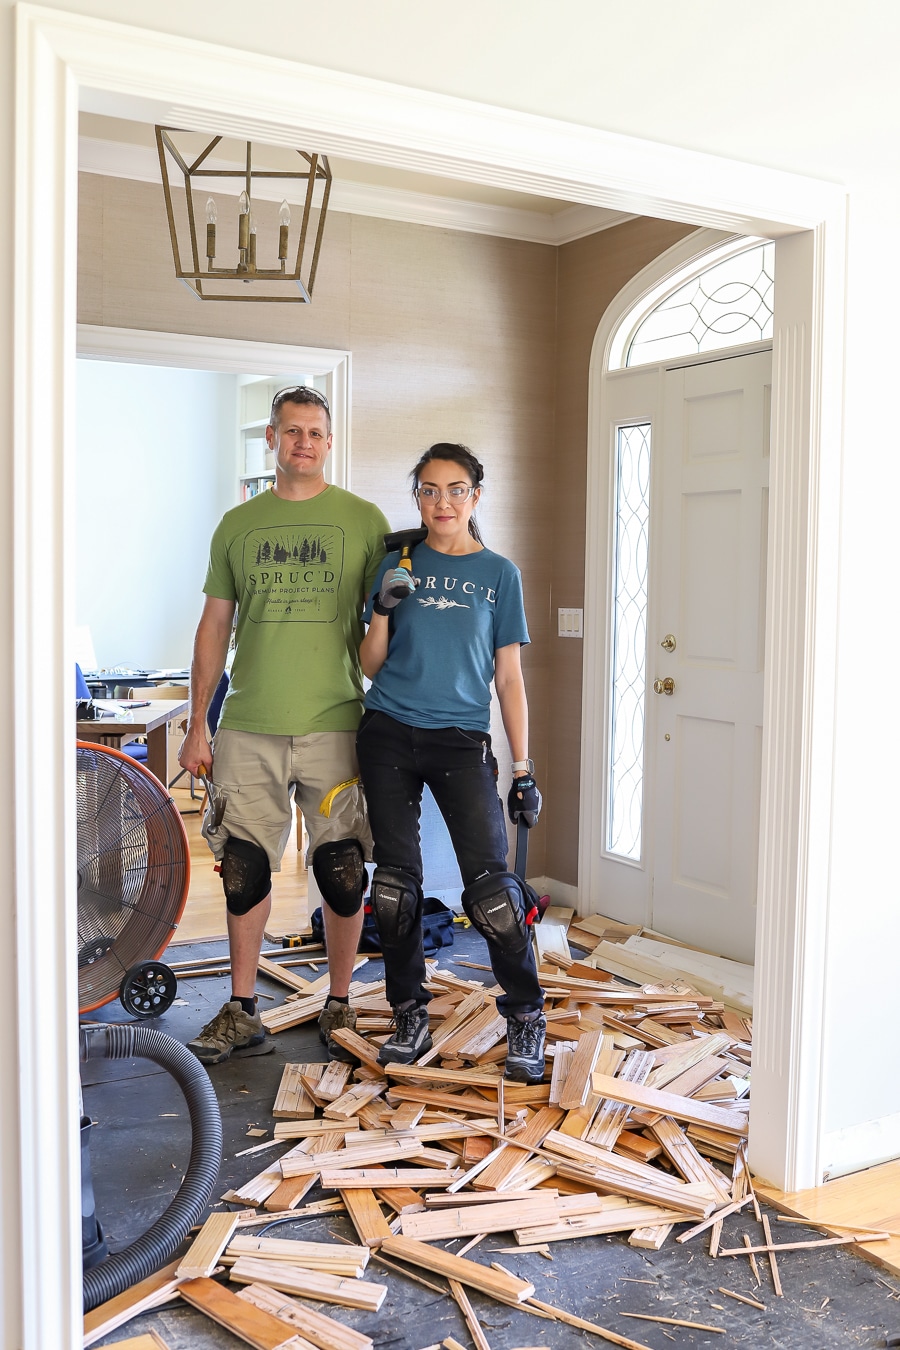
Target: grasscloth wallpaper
{"x":454,"y":336}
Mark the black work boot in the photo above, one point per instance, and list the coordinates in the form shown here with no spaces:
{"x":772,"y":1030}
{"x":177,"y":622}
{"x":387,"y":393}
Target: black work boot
{"x":525,"y":1049}
{"x":410,"y":1038}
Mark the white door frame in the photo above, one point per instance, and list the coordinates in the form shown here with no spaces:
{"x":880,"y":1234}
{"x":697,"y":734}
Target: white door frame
{"x":232,"y":356}
{"x":64,"y":61}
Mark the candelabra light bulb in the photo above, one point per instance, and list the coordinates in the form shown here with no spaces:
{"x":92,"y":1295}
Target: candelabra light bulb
{"x":212,"y":213}
{"x":284,"y":214}
{"x":244,"y":203}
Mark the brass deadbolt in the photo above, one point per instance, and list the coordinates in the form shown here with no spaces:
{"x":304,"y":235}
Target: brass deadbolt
{"x":668,"y":642}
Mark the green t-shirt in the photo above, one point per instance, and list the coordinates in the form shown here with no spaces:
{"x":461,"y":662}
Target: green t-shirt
{"x":299,"y":572}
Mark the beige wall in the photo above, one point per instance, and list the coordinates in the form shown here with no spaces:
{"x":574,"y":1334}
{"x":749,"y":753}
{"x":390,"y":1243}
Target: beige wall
{"x":591,"y":273}
{"x":454,"y":336}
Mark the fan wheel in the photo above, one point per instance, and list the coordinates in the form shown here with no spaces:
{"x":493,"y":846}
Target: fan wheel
{"x":148,"y":989}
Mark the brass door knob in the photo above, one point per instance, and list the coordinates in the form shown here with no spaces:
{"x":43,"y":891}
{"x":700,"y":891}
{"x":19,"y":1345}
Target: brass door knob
{"x":666,"y":686}
{"x":668,"y":642}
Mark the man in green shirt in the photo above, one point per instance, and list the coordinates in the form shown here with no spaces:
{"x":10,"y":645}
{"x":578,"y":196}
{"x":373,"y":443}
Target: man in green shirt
{"x":296,"y":563}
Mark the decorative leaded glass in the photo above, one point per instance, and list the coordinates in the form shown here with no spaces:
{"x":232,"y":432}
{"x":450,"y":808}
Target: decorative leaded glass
{"x":729,"y":304}
{"x":629,"y":642}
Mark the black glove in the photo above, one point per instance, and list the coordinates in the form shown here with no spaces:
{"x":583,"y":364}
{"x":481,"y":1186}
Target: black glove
{"x":399,"y":580}
{"x":524,"y":801}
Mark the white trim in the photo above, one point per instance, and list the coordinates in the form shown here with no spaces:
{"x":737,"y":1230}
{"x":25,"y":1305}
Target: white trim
{"x":238,"y":356}
{"x":560,"y":892}
{"x":154,"y":76}
{"x":140,"y":163}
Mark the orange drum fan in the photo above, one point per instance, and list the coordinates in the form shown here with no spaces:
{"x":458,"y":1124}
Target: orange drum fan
{"x":133,"y":875}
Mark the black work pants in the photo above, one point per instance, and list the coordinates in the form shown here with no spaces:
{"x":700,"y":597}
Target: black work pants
{"x":396,"y":761}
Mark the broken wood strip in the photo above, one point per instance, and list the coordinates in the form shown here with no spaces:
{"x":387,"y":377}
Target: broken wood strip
{"x":367,"y":1178}
{"x":407,"y":1116}
{"x":715,"y":1237}
{"x":292,"y":1102}
{"x":469,"y":1273}
{"x":701,"y":1075}
{"x":350,"y":1103}
{"x":473,"y":1025}
{"x":560,"y":1315}
{"x":773,"y":1264}
{"x":497,"y":1217}
{"x":317,"y":1327}
{"x":610,"y":1116}
{"x":115,"y":1312}
{"x":202,"y":1256}
{"x":421,"y":1077}
{"x":489,"y":1036}
{"x":503,"y":1167}
{"x":334,"y":1080}
{"x":682,"y":1153}
{"x":673,"y":1321}
{"x":313,"y":1255}
{"x":622,"y":1216}
{"x":290,"y":1192}
{"x":717,"y":1217}
{"x":466,"y":1103}
{"x":637,"y":1146}
{"x":287,"y":977}
{"x":650,"y":1237}
{"x":743,"y":1298}
{"x":358,"y":1046}
{"x":746,"y":1251}
{"x":438,"y":1200}
{"x":475,"y":1328}
{"x":362,"y":1155}
{"x":682,"y":1108}
{"x":471,"y":1004}
{"x":366,"y":1216}
{"x":294,"y":1011}
{"x":625,"y":1176}
{"x":550,"y":934}
{"x":315,"y":1284}
{"x":562,"y":1060}
{"x":251,"y":1324}
{"x":306,"y":1129}
{"x":694,"y":1052}
{"x":578,"y":1081}
{"x":149,"y":1340}
{"x":799,"y":1246}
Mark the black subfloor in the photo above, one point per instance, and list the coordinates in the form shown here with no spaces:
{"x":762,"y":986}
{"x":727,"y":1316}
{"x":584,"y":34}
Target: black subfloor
{"x":140,"y":1146}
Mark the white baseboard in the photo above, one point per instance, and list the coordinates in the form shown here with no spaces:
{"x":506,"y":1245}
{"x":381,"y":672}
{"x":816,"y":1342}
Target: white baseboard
{"x":860,"y":1146}
{"x":560,"y":892}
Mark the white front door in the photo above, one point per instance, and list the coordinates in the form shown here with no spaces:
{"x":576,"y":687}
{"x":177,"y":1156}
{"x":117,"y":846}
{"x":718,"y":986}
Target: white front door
{"x":711,"y":532}
{"x":692,"y":873}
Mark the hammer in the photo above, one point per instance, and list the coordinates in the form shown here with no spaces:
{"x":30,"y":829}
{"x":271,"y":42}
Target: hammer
{"x":406,"y":541}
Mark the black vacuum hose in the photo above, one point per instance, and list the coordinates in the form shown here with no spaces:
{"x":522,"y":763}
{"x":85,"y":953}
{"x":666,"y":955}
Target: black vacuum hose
{"x":159,"y":1244}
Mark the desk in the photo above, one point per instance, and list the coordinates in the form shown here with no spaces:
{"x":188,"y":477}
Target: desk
{"x":151,"y":722}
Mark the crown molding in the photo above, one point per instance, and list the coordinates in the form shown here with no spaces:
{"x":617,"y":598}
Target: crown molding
{"x":117,"y":159}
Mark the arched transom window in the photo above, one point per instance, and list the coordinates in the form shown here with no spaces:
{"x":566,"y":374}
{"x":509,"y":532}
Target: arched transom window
{"x":721,"y":303}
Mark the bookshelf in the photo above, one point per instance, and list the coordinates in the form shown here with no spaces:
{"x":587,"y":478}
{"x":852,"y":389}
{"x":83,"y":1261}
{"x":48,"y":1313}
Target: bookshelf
{"x":256,"y":466}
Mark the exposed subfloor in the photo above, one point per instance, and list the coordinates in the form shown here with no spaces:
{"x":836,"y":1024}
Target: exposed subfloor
{"x":139,"y":1148}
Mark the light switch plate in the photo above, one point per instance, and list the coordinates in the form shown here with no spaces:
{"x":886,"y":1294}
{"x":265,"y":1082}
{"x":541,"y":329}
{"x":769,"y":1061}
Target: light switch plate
{"x":571,"y":622}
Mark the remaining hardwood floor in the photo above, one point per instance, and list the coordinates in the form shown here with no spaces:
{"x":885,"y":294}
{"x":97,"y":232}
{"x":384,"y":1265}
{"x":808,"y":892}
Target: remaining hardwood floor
{"x":204,"y":913}
{"x":868,"y":1200}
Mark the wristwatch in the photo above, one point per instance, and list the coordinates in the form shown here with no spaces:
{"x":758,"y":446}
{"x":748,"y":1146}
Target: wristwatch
{"x":523,"y":766}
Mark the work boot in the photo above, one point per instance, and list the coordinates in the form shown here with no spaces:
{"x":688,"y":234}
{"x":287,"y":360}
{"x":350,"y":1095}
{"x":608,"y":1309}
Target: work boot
{"x":333,"y":1016}
{"x":410,"y":1038}
{"x":525,"y":1049}
{"x":231,"y":1032}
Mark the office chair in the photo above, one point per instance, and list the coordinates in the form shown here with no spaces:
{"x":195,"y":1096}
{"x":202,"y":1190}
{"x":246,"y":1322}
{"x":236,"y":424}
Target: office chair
{"x":82,"y":690}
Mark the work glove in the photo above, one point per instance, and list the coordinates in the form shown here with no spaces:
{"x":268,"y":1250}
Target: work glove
{"x":399,"y":580}
{"x":524,"y":801}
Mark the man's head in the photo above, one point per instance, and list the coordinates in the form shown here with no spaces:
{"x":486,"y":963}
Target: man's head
{"x":300,"y":393}
{"x":299,"y":433}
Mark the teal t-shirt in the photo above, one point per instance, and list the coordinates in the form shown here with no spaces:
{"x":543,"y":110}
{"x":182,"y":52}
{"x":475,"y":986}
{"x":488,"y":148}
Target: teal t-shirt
{"x":299,"y":572}
{"x":440,"y":660}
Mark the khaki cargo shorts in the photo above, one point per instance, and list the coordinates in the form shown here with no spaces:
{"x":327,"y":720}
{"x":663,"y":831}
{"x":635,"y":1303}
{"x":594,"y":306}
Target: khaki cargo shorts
{"x":261,"y":776}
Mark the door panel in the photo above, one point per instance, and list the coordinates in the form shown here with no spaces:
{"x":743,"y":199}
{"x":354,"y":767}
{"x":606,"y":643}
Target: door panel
{"x":710,"y":521}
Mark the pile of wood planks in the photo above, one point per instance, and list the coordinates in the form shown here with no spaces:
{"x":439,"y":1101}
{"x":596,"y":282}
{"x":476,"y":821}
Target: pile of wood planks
{"x":640,"y":1127}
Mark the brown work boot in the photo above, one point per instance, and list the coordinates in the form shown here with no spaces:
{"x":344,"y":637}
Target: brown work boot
{"x":231,"y":1032}
{"x":333,"y":1016}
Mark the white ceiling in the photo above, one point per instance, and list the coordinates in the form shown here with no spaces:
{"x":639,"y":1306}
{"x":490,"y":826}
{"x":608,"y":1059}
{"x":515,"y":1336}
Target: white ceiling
{"x":125,"y":149}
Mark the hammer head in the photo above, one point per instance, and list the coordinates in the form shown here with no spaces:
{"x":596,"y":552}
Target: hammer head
{"x":402,"y":539}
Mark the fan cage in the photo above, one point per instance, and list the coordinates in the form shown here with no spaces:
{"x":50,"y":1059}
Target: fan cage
{"x":133,"y":870}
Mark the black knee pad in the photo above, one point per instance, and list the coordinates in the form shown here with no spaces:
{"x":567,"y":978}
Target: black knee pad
{"x":340,"y":869}
{"x":246,"y":875}
{"x":497,"y":905}
{"x":396,"y":904}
